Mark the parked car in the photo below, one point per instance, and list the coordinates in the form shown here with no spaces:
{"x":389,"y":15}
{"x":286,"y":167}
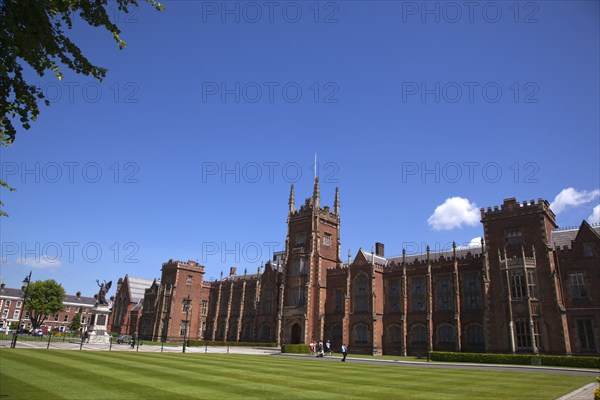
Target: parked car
{"x":124,"y":339}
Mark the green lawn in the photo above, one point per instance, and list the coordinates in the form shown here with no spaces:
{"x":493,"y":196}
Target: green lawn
{"x":56,"y":374}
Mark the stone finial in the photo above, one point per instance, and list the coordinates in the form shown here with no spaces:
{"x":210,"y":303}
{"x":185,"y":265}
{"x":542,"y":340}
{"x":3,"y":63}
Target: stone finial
{"x":292,"y":200}
{"x":336,"y":202}
{"x":316,"y":194}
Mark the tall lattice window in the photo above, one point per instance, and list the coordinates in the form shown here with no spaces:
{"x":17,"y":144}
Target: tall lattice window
{"x":326,"y":240}
{"x":339,"y":300}
{"x":531,"y":284}
{"x":361,"y":293}
{"x":298,"y":296}
{"x":299,"y":267}
{"x":578,"y":287}
{"x":523,"y":333}
{"x":393,"y":295}
{"x":183,"y":328}
{"x":472,"y":292}
{"x":585,"y":335}
{"x":417,"y":294}
{"x":517,"y":285}
{"x":444,"y":301}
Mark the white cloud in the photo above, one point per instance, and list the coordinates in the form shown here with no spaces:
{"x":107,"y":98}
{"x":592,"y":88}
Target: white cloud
{"x":475,"y":242}
{"x":594,"y":218}
{"x":40,"y":263}
{"x":570,"y":197}
{"x":454,"y":213}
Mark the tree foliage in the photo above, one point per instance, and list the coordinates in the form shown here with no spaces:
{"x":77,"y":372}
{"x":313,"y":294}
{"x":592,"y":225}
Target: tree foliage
{"x":32,"y":32}
{"x":44,"y":298}
{"x":75,"y":324}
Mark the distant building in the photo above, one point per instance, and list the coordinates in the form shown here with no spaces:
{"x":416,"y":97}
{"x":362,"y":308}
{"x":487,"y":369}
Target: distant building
{"x":11,"y":303}
{"x":127,"y":305}
{"x":528,"y":288}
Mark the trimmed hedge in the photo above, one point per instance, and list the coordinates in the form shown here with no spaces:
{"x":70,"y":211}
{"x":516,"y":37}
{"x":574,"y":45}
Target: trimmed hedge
{"x":517,"y":359}
{"x":221,"y":343}
{"x":295,"y":348}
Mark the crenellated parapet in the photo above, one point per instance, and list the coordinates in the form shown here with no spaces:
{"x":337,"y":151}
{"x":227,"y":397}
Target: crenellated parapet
{"x":512,"y":208}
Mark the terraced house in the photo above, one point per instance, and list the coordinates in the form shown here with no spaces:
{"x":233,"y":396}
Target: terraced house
{"x":527,"y":288}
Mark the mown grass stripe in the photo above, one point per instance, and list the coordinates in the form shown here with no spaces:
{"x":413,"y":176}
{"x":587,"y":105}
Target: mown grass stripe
{"x":131,"y":375}
{"x":89,"y":377}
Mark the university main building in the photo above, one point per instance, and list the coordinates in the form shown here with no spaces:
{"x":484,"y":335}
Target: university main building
{"x":528,"y":288}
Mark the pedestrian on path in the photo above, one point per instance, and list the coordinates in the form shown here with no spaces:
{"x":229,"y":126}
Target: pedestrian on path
{"x":344,"y":352}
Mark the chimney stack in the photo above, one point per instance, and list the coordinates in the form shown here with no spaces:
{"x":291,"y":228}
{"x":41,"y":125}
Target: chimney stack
{"x":379,"y":249}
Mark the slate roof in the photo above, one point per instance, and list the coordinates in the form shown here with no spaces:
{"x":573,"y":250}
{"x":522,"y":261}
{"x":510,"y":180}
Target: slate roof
{"x":69,"y":298}
{"x":434,"y":256}
{"x":137,"y":287}
{"x":378,"y":259}
{"x":564,"y":237}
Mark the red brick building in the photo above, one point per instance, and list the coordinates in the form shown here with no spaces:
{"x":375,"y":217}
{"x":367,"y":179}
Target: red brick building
{"x":11,"y":305}
{"x":527,"y":288}
{"x":127,"y":305}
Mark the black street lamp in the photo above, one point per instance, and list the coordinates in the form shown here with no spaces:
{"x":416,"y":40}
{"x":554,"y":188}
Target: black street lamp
{"x":187,"y":302}
{"x":26,"y":282}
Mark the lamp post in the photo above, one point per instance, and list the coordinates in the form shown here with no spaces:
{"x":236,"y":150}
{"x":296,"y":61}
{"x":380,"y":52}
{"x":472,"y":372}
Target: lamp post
{"x":26,"y":282}
{"x":187,"y":303}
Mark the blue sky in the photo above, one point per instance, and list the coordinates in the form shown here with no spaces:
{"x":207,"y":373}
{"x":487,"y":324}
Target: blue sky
{"x":420,"y":112}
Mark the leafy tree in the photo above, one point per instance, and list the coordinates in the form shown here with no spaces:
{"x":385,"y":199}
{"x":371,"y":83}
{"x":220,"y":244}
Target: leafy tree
{"x":14,"y":325}
{"x":75,"y":324}
{"x":44,"y":298}
{"x":32,"y":32}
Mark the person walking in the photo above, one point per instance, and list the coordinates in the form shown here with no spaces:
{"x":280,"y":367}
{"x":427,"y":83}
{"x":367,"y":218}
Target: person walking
{"x":133,"y":339}
{"x":328,"y":348}
{"x":312,"y":347}
{"x":320,"y":350}
{"x":344,"y":352}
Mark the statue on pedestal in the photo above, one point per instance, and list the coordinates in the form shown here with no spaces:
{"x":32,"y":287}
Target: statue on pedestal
{"x":104,"y":288}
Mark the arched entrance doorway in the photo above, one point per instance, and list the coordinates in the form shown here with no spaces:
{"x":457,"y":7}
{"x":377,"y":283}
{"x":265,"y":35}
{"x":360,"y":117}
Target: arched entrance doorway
{"x":296,"y":334}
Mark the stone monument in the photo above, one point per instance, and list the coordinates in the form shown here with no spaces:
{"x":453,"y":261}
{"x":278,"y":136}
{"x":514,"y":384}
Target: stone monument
{"x":97,"y":329}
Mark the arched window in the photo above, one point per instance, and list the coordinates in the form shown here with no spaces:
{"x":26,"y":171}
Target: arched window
{"x":418,"y":334}
{"x":445,"y":334}
{"x":336,"y":335}
{"x":265,"y":332}
{"x":246,"y":331}
{"x":232,"y":333}
{"x":395,"y":333}
{"x":361,"y":293}
{"x":221,"y":331}
{"x":474,"y":334}
{"x":361,"y":333}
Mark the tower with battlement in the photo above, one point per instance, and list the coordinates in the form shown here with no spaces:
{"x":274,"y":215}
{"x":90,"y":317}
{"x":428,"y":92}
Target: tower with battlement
{"x":525,"y":310}
{"x":312,"y":246}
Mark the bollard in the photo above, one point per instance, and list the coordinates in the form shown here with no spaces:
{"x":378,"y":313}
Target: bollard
{"x":205,"y":347}
{"x":49,"y":338}
{"x":161,"y":346}
{"x":227,"y":349}
{"x":110,"y":344}
{"x":81,"y":344}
